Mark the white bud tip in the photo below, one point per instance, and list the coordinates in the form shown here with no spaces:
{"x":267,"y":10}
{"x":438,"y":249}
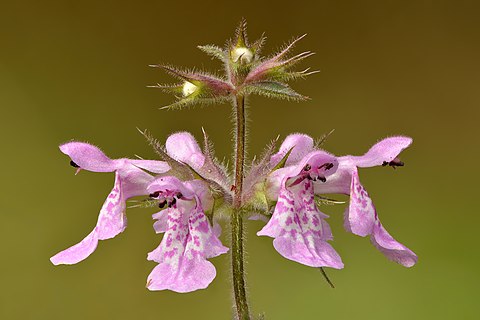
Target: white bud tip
{"x":188,"y":88}
{"x":243,"y":54}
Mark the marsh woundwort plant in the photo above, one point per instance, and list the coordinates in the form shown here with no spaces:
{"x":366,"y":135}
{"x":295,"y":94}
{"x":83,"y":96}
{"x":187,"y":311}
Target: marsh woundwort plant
{"x":196,"y":193}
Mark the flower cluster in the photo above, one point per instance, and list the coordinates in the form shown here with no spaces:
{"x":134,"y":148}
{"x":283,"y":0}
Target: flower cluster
{"x":246,"y":72}
{"x":196,"y":193}
{"x":193,"y":191}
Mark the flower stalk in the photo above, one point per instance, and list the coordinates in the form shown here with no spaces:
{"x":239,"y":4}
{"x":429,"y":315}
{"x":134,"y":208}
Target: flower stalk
{"x":238,"y":274}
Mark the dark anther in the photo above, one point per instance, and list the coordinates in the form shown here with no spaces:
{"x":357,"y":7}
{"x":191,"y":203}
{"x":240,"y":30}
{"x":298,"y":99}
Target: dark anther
{"x":162,"y":204}
{"x":173,"y":202}
{"x":394,"y":163}
{"x":73,"y":164}
{"x":155,"y":194}
{"x":307,"y":167}
{"x":322,"y":178}
{"x":179,"y":195}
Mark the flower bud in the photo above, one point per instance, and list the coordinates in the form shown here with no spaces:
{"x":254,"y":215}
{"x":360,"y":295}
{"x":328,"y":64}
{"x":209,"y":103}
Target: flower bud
{"x":188,"y":88}
{"x":242,"y":55}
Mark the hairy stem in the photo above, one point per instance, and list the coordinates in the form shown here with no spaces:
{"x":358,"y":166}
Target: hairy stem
{"x":237,"y":219}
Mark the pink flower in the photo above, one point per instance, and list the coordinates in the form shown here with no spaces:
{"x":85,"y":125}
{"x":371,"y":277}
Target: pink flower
{"x":189,"y":238}
{"x":299,"y":228}
{"x":360,"y":216}
{"x":130,"y":181}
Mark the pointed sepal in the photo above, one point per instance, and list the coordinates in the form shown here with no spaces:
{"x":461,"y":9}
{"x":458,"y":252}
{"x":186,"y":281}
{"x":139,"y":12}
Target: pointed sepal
{"x":197,"y":87}
{"x":274,"y":89}
{"x":213,"y":51}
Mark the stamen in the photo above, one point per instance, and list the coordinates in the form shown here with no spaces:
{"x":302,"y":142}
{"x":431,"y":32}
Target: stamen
{"x":307,"y":167}
{"x":162,"y":204}
{"x":327,"y":166}
{"x":322,"y":178}
{"x":155,"y":194}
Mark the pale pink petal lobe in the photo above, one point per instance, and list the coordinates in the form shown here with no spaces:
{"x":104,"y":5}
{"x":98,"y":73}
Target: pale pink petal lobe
{"x":392,"y":249}
{"x":360,"y":215}
{"x":194,"y":274}
{"x":299,"y":229}
{"x":78,"y":252}
{"x":188,"y":241}
{"x":151,"y":165}
{"x":183,"y":147}
{"x":382,"y":152}
{"x":88,"y":157}
{"x":161,"y":223}
{"x":112,"y":219}
{"x":300,"y":144}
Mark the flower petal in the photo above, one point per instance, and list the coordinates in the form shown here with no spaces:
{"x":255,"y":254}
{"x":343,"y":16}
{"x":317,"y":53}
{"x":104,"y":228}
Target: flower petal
{"x":360,"y":215}
{"x":340,"y":181}
{"x":192,"y":275}
{"x":78,"y":252}
{"x":134,"y":180}
{"x":112,"y":219}
{"x":151,"y":165}
{"x":203,"y":193}
{"x":392,"y":249}
{"x":316,"y":160}
{"x":161,"y":225}
{"x":301,"y":144}
{"x":300,"y":230}
{"x":315,"y":253}
{"x":182,"y":254}
{"x":385,"y":150}
{"x":183,"y":147}
{"x":170,"y":183}
{"x":88,"y":157}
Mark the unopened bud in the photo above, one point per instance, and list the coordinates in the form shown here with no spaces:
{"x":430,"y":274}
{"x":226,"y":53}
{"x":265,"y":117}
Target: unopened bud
{"x":188,"y":88}
{"x":242,"y":55}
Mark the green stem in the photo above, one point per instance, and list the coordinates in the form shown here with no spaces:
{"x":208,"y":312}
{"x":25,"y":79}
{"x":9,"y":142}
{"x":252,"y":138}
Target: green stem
{"x":237,"y":219}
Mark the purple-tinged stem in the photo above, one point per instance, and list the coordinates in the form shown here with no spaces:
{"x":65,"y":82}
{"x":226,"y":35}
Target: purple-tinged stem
{"x":238,"y":272}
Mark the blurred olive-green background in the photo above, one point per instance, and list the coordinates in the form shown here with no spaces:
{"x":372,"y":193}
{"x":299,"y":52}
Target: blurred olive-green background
{"x":79,"y":70}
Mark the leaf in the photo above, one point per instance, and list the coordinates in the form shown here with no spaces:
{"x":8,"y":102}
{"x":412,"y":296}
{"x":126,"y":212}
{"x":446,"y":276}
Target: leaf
{"x":286,"y":49}
{"x":284,"y":76}
{"x":190,"y":101}
{"x":213,"y":51}
{"x":208,"y":85}
{"x":274,"y":89}
{"x":169,"y":88}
